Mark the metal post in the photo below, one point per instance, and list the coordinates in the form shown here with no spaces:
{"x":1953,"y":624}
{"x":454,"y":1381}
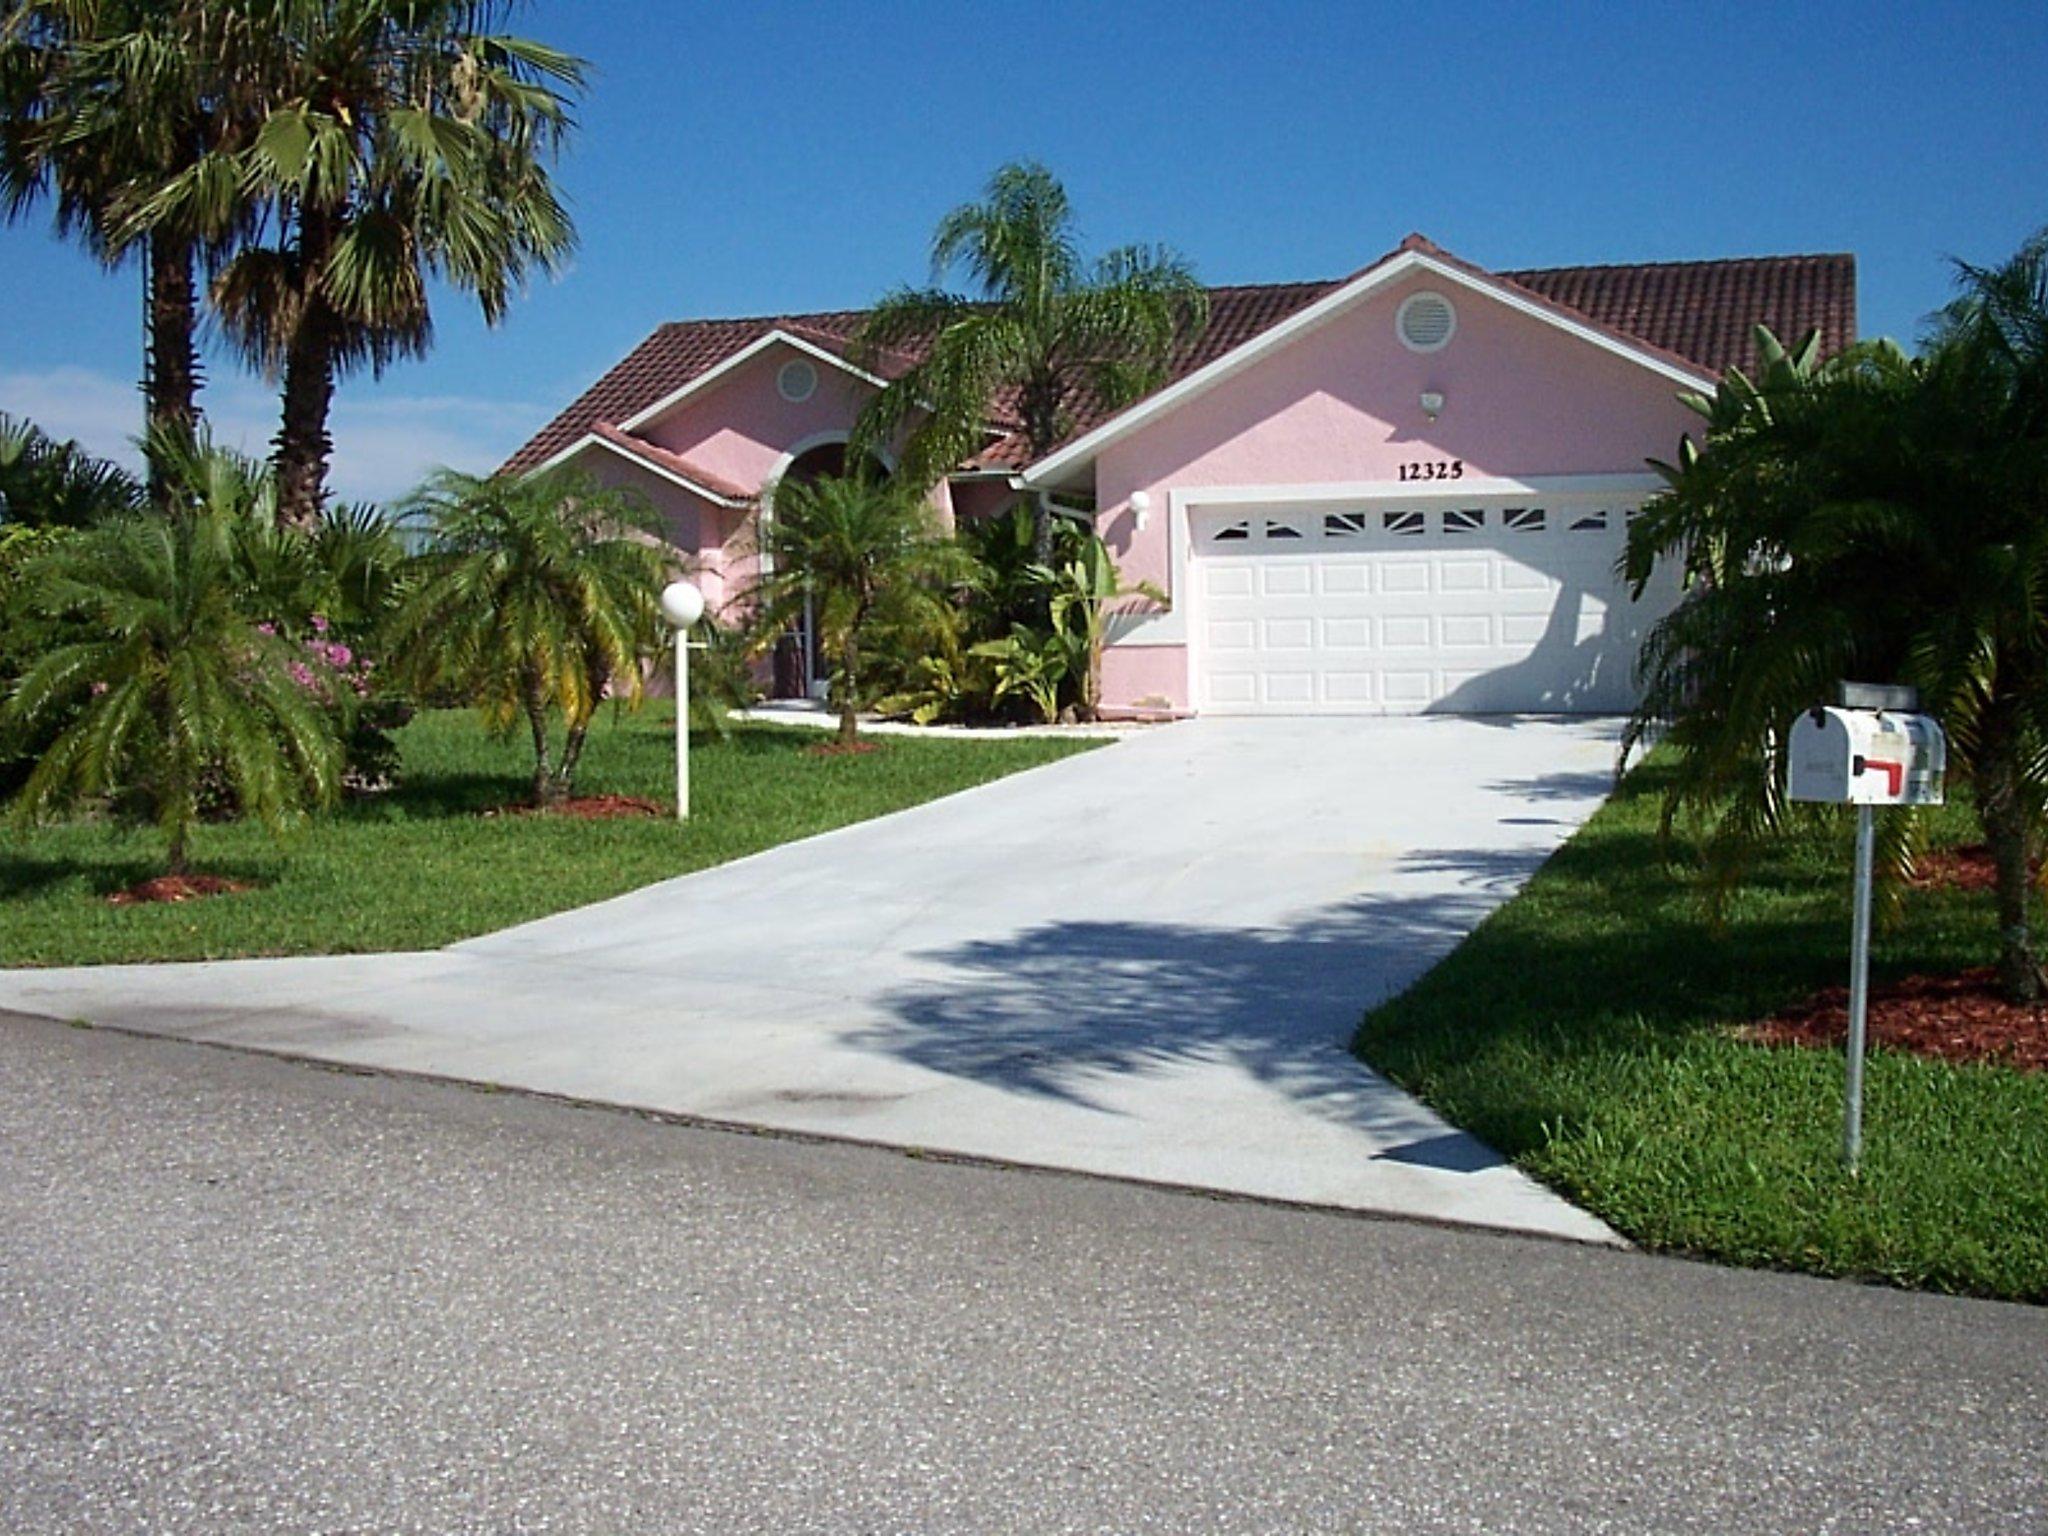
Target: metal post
{"x":1859,"y":986}
{"x":682,"y":724}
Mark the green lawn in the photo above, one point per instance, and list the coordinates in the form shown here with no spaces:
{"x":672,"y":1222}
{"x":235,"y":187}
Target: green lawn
{"x":420,"y":867}
{"x":1586,"y":1030}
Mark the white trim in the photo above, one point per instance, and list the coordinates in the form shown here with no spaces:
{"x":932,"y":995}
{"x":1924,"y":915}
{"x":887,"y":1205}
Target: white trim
{"x":1401,"y":321}
{"x":751,"y":350}
{"x":1054,"y":465}
{"x":1172,"y":626}
{"x":593,"y":440}
{"x":803,"y":369}
{"x":765,"y":509}
{"x":804,"y":445}
{"x":1182,"y":503}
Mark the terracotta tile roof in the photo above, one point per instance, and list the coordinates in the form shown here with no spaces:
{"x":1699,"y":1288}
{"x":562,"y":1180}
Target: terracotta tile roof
{"x":1700,"y":313}
{"x":1705,"y":311}
{"x":660,"y":458}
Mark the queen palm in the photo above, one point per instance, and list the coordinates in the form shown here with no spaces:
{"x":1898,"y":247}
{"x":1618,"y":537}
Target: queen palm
{"x":861,"y":555}
{"x":1883,"y":518}
{"x":400,"y":142}
{"x":179,"y":690}
{"x":537,"y":596}
{"x":1037,"y":325}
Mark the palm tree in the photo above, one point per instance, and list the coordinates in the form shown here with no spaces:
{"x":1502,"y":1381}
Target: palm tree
{"x":537,"y":595}
{"x":179,"y":690}
{"x":1877,"y":517}
{"x":1040,"y":326}
{"x":101,"y":103}
{"x":403,"y":142}
{"x":48,"y":484}
{"x":862,"y":555}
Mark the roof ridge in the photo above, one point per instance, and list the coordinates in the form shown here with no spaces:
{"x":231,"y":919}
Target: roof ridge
{"x":1692,"y":261}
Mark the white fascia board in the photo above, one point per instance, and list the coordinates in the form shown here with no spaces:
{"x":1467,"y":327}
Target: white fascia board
{"x":592,"y":440}
{"x":751,"y":350}
{"x":1077,"y":453}
{"x":1316,"y":493}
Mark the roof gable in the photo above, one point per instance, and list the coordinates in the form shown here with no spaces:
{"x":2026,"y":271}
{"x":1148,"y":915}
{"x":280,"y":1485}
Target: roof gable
{"x":1703,"y":312}
{"x":1414,"y":255}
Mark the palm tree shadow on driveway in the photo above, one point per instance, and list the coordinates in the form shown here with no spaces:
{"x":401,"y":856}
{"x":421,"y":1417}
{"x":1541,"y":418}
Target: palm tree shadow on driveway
{"x":1060,"y":1010}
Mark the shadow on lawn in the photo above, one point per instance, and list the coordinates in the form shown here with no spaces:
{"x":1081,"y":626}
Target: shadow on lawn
{"x":1056,"y":1010}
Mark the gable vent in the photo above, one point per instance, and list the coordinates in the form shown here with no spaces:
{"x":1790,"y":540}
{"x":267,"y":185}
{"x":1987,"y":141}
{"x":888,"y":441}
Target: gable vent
{"x":1425,"y":322}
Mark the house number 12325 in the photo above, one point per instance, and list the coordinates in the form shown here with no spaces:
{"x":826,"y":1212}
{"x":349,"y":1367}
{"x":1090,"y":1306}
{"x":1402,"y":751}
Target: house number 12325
{"x":1434,"y":469}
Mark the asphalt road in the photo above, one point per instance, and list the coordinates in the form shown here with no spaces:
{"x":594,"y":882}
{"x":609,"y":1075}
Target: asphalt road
{"x":239,"y":1294}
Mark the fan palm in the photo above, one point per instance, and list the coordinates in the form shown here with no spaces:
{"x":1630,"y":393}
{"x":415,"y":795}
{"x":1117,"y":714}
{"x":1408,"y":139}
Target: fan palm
{"x":863,"y":555}
{"x":536,"y":595}
{"x":180,"y":691}
{"x":48,"y":484}
{"x":1040,"y":326}
{"x":102,"y":102}
{"x":1877,"y":517}
{"x":400,"y":142}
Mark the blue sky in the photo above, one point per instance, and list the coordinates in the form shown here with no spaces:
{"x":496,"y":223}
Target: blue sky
{"x":784,"y":156}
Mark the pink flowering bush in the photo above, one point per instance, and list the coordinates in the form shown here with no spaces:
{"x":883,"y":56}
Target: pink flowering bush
{"x":343,"y":680}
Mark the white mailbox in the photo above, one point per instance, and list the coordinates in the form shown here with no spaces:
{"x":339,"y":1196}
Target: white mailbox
{"x":1867,"y":757}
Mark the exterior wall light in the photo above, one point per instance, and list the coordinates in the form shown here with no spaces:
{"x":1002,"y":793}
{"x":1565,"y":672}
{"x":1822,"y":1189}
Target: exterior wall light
{"x":1432,"y":403}
{"x":1141,"y":509}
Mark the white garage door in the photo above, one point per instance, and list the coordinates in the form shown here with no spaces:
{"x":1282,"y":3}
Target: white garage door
{"x":1505,"y":605}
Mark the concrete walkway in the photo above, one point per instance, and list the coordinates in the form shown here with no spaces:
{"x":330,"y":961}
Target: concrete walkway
{"x":1142,"y":962}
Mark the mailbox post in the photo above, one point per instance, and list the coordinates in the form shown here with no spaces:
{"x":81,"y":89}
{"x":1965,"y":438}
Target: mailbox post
{"x":1873,"y":750}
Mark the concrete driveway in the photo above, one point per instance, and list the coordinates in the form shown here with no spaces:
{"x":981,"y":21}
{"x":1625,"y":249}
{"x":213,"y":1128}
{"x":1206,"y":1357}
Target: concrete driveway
{"x":1142,"y":962}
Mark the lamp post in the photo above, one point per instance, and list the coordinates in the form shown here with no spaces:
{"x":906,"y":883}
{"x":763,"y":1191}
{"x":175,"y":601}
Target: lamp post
{"x":682,"y":605}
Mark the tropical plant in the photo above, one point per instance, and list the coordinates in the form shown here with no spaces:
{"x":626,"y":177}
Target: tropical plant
{"x":178,"y":693}
{"x":48,"y":484}
{"x":1876,"y":517}
{"x":101,"y":103}
{"x":1081,"y":594}
{"x":1032,"y":664}
{"x":860,"y":555}
{"x":537,"y":595}
{"x":1036,"y":325}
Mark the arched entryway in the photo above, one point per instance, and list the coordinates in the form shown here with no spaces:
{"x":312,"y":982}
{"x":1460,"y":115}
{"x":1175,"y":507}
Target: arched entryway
{"x":800,"y":665}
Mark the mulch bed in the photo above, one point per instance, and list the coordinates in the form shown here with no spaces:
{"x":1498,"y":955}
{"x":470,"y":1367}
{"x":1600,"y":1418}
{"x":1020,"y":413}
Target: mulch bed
{"x":843,"y":749}
{"x":588,"y":808}
{"x":177,"y":888}
{"x":1968,"y":868}
{"x":1963,"y":1017}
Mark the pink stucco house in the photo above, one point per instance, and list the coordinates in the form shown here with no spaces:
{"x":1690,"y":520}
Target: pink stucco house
{"x":1402,"y":491}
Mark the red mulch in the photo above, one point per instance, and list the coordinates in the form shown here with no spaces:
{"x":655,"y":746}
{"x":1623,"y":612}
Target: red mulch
{"x":843,"y":749}
{"x":177,"y":888}
{"x":589,"y":808}
{"x":1968,"y":868}
{"x":1958,"y":1018}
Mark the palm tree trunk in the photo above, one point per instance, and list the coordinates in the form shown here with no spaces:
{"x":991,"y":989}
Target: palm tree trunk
{"x":1040,"y":407}
{"x":303,"y":445}
{"x":849,"y":687}
{"x":572,"y":754}
{"x":537,"y":722}
{"x":2002,"y":808}
{"x":173,"y":394}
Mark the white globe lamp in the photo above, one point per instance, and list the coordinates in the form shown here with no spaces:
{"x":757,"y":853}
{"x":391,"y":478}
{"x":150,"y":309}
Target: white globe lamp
{"x":682,"y":604}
